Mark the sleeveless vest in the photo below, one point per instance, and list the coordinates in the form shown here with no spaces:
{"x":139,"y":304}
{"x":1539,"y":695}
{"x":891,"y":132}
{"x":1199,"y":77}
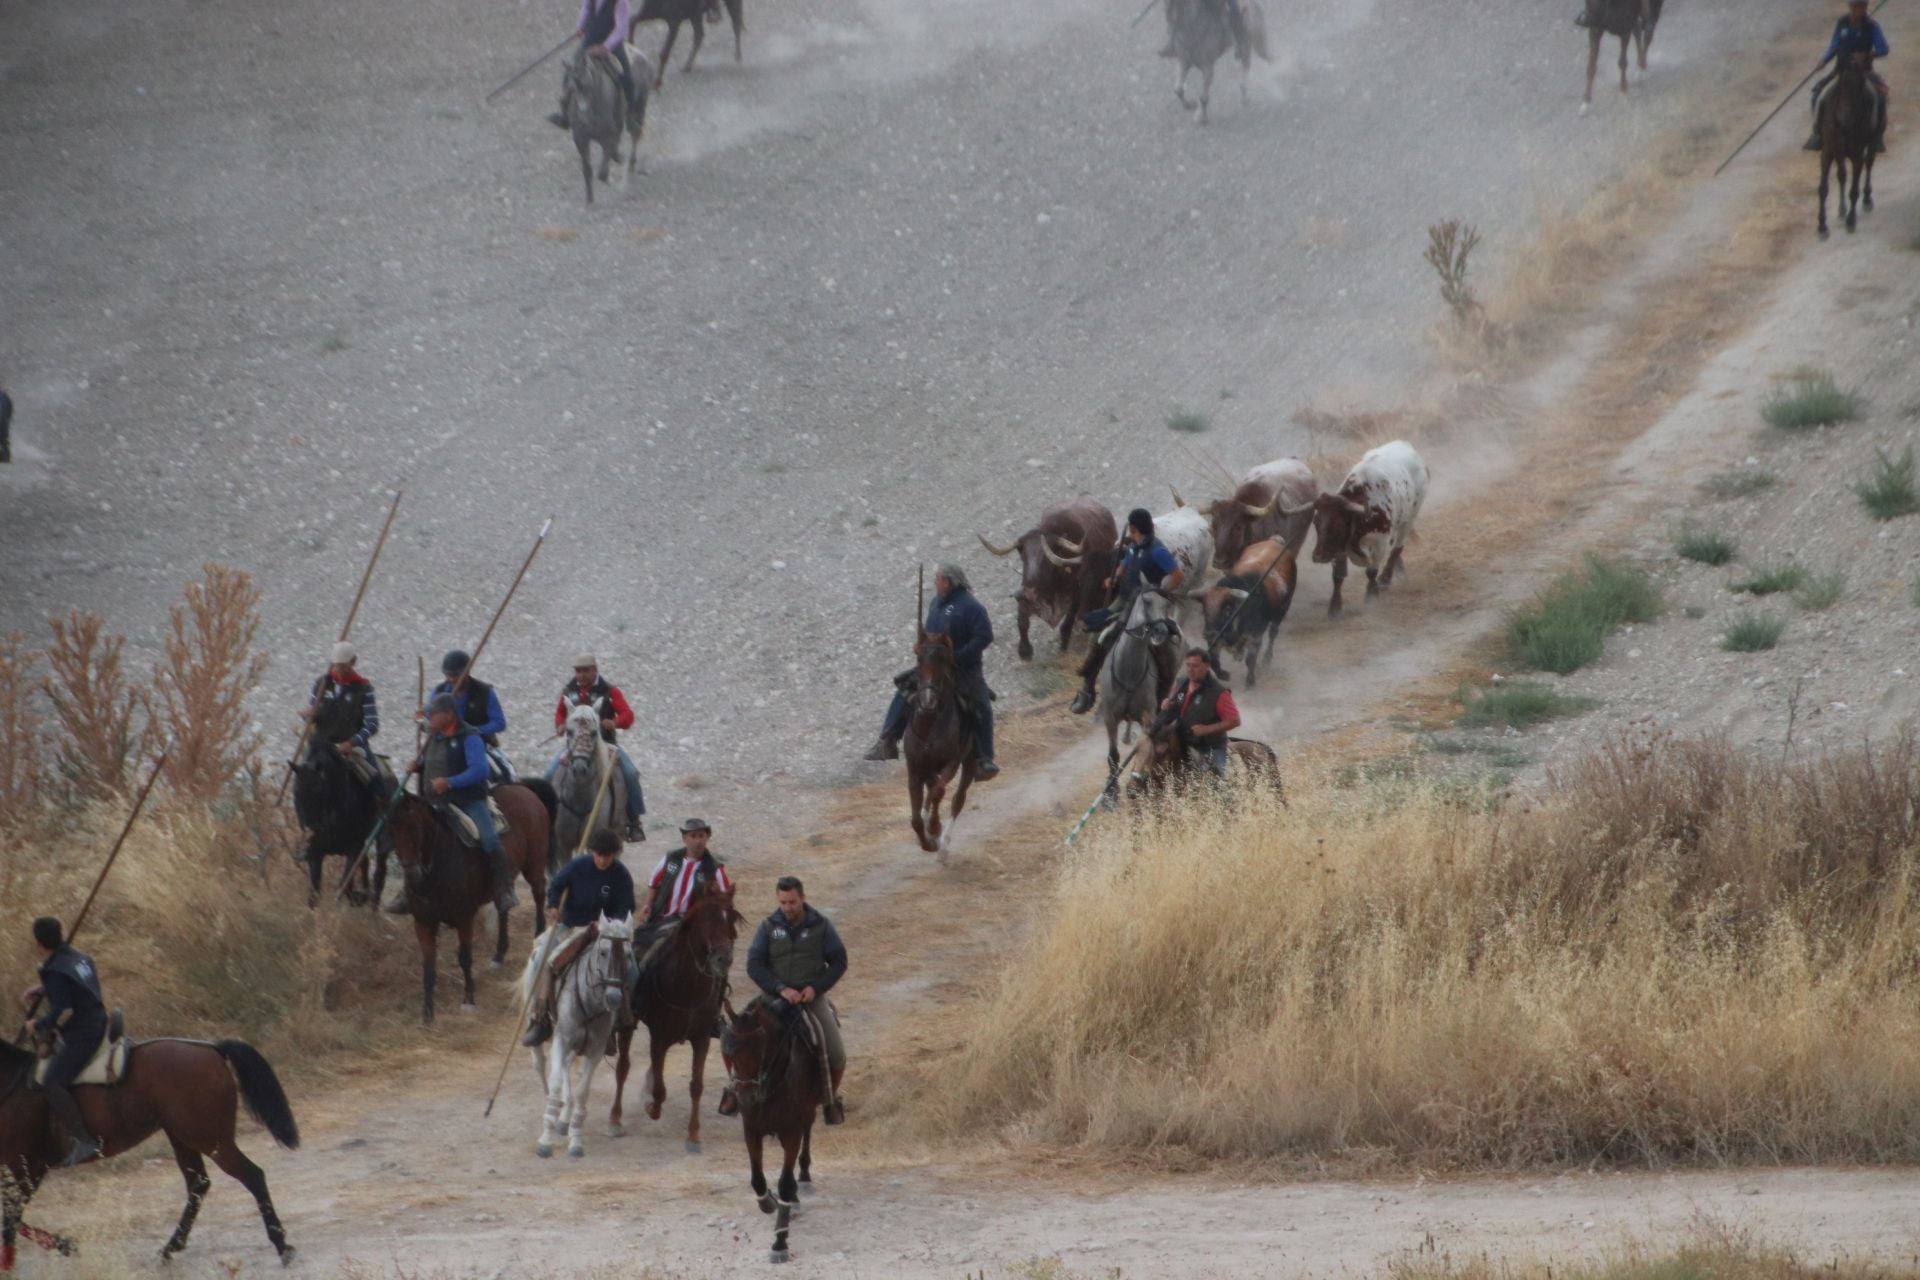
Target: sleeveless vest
{"x":796,"y":952}
{"x":1205,"y":707}
{"x":599,"y":697}
{"x":670,"y":876}
{"x":446,"y":757}
{"x":599,"y":24}
{"x":79,"y":967}
{"x":339,"y":713}
{"x":1853,"y":39}
{"x":478,"y":696}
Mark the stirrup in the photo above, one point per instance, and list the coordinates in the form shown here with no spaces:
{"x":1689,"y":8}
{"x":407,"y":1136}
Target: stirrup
{"x":836,"y":1111}
{"x":83,"y":1150}
{"x":538,"y":1033}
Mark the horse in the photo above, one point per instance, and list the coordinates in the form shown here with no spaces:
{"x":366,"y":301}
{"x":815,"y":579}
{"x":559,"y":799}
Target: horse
{"x":1160,"y":765}
{"x":598,"y":112}
{"x":588,"y":788}
{"x":447,"y":883}
{"x":1630,"y":20}
{"x":1846,"y":123}
{"x":678,"y":996}
{"x":775,"y":1075}
{"x":189,"y":1090}
{"x":583,"y":1015}
{"x":1202,"y":32}
{"x":938,"y":744}
{"x":1131,"y":673}
{"x":337,"y":812}
{"x":675,"y":12}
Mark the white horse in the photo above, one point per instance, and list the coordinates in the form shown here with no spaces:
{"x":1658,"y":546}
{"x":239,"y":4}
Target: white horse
{"x":588,"y":784}
{"x":583,"y":1015}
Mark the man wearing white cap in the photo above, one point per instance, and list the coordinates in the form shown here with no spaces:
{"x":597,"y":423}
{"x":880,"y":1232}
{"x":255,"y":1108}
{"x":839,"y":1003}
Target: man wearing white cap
{"x":589,"y":688}
{"x":345,"y":716}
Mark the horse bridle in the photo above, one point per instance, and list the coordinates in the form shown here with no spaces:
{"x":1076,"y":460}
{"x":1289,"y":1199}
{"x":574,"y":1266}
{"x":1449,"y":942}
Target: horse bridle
{"x":582,"y":745}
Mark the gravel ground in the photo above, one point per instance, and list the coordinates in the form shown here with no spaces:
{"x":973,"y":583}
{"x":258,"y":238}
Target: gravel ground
{"x":904,"y":273}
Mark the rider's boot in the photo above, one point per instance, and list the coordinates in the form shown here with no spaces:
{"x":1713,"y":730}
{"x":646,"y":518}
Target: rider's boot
{"x":540,"y":1025}
{"x":883,"y":748}
{"x":836,"y":1112}
{"x":66,"y":1113}
{"x":396,"y":903}
{"x":559,"y":118}
{"x":636,"y":834}
{"x":1813,"y":142}
{"x":1084,"y":700}
{"x":504,"y":899}
{"x":985,"y":769}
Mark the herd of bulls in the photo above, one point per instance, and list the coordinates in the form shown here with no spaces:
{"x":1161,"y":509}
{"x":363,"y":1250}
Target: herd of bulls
{"x":1251,"y":537}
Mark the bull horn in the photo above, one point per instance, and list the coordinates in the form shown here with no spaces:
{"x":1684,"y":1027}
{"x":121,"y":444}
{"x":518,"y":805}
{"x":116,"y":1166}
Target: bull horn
{"x":1178,"y":501}
{"x":1260,"y":513}
{"x":1055,"y":557}
{"x":1069,"y":548}
{"x":1007,"y":550}
{"x":1290,"y":512}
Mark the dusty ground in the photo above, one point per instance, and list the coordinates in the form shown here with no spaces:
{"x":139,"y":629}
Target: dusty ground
{"x":330,"y":271}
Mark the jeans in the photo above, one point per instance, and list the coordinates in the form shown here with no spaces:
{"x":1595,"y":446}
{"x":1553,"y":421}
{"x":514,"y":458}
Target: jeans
{"x":1214,"y":750}
{"x":971,"y":683}
{"x":636,"y":801}
{"x":482,"y":817}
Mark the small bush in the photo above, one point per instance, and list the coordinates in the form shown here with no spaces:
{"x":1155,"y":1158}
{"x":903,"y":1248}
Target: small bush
{"x":773,"y":468}
{"x":1695,"y":543}
{"x":1566,"y":626}
{"x":1752,"y":632}
{"x":1823,"y":591}
{"x":1742,"y":483}
{"x":98,"y":713}
{"x":1813,"y":400}
{"x":1514,"y":704}
{"x":1188,"y":421}
{"x":331,"y":343}
{"x":1449,"y":245}
{"x":1771,"y":580}
{"x":201,"y":687}
{"x":21,"y":768}
{"x":1887,"y":493}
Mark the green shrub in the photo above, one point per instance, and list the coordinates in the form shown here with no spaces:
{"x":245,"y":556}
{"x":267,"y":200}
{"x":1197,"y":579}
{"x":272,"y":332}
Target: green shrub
{"x":1514,"y":704}
{"x":1887,"y":492}
{"x":1188,"y":421}
{"x":1566,"y":626}
{"x":1695,"y":543}
{"x":1752,"y":632}
{"x":1812,"y":400}
{"x":1741,"y":483}
{"x":1771,"y":580}
{"x":1823,"y":591}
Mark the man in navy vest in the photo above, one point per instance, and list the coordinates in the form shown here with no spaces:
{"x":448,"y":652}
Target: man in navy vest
{"x":1144,"y":562}
{"x":76,"y":1012}
{"x":602,"y":29}
{"x":958,"y":614}
{"x":453,"y":772}
{"x":1857,"y":34}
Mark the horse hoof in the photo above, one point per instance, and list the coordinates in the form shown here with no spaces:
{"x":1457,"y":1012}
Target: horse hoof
{"x":778,"y":1255}
{"x":286,"y":1256}
{"x":806,"y":1188}
{"x":1824,"y":233}
{"x":575,"y":1153}
{"x":653,"y":1111}
{"x":693,"y":1148}
{"x":767,"y":1203}
{"x":1585,"y":107}
{"x":543,"y":1150}
{"x":496,"y":964}
{"x":616,"y":1131}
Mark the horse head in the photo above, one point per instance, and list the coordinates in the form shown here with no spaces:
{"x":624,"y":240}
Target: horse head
{"x":611,"y":953}
{"x":1151,"y":618}
{"x":414,"y":830}
{"x":583,"y":740}
{"x":934,"y":656}
{"x":708,"y":930}
{"x":747,"y":1043}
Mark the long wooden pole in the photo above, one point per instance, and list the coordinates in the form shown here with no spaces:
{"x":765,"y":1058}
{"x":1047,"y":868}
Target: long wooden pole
{"x":527,"y":70}
{"x":1088,"y":815}
{"x":420,"y":752}
{"x":520,"y":1019}
{"x":1791,"y":95}
{"x":346,"y":629}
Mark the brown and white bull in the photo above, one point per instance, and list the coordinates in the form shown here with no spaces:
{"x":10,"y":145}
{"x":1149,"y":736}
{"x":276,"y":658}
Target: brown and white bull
{"x":1250,"y":601}
{"x":1065,"y":562}
{"x":1274,"y":500}
{"x":1371,"y":517}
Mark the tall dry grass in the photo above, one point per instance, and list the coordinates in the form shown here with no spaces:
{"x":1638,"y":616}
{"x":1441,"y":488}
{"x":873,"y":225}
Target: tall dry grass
{"x":102,"y":718}
{"x":202,"y":685}
{"x":1676,"y":953}
{"x":21,"y":768}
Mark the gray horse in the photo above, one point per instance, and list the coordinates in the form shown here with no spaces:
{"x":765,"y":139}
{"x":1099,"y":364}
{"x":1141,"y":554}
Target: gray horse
{"x":1132,"y":671}
{"x":589,"y":786}
{"x":598,"y":111}
{"x":1202,"y":32}
{"x":583,"y":1016}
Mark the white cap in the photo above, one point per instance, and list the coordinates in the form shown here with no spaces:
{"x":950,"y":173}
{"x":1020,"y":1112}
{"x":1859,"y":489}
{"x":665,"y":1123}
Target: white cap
{"x":584,"y":660}
{"x":343,"y":654}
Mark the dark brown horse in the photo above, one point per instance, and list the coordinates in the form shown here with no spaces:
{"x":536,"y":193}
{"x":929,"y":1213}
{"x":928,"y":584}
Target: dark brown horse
{"x":447,"y":882}
{"x":189,"y":1090}
{"x":337,"y":813}
{"x":675,"y":12}
{"x":1159,"y":766}
{"x":679,"y":997}
{"x":1846,"y":123}
{"x":776,"y":1075}
{"x":938,"y":743}
{"x":1628,"y":19}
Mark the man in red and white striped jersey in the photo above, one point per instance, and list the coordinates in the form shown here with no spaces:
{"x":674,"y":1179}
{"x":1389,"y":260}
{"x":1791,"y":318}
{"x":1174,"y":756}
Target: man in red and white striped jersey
{"x":686,"y":873}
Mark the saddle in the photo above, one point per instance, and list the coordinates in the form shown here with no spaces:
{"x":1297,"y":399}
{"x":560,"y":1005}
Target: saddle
{"x":462,"y":826}
{"x":563,"y":959}
{"x":109,"y":1061}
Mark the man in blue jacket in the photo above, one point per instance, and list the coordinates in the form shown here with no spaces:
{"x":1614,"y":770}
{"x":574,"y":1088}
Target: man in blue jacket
{"x":75,"y":1010}
{"x":1145,"y":561}
{"x":594,"y":884}
{"x":957,"y":614}
{"x":795,"y":959}
{"x":478,"y":707}
{"x":453,"y":771}
{"x":1857,"y":33}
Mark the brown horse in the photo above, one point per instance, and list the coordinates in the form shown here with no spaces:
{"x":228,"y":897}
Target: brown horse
{"x":775,"y":1074}
{"x":447,"y":882}
{"x":675,"y":12}
{"x":1160,"y":766}
{"x":1846,"y":123}
{"x":938,"y":743}
{"x":678,"y":997}
{"x":1628,"y":19}
{"x":189,"y":1090}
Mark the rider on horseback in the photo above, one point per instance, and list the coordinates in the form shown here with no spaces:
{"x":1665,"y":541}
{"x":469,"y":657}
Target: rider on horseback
{"x":75,"y":1010}
{"x":1200,"y":711}
{"x":453,"y":771}
{"x":478,"y":706}
{"x":344,"y":717}
{"x":603,"y":29}
{"x":683,"y":875}
{"x":593,"y":885}
{"x":1856,"y":35}
{"x":959,"y":615}
{"x":1144,"y":562}
{"x":589,"y":688}
{"x":1236,"y":23}
{"x":795,"y":959}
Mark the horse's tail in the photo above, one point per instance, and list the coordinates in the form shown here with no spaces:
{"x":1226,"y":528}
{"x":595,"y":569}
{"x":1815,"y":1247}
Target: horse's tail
{"x":543,"y":790}
{"x":260,"y":1090}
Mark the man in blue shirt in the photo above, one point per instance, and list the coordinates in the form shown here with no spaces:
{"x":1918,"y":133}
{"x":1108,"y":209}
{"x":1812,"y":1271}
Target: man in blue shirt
{"x":1144,"y":562}
{"x":1855,"y":34}
{"x":478,"y":706}
{"x":957,"y":614}
{"x":453,"y":771}
{"x":594,"y":884}
{"x":76,"y":1011}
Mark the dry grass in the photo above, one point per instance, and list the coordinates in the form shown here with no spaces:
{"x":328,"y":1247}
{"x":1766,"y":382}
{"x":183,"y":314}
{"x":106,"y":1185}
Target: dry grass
{"x":1676,"y":954}
{"x":202,"y":687}
{"x":99,"y":713}
{"x":21,"y":770}
{"x":1714,"y":1254}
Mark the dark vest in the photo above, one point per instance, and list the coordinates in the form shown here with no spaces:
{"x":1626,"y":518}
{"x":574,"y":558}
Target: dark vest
{"x":797,"y":953}
{"x":478,"y":696}
{"x":1205,"y":707}
{"x":89,"y":1007}
{"x":599,"y":697}
{"x":599,"y":25}
{"x":702,"y":877}
{"x":1853,"y":39}
{"x":446,"y":757}
{"x":338,"y":715}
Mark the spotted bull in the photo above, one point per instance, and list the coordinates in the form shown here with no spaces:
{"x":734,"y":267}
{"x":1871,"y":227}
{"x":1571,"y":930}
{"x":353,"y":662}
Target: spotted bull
{"x":1274,"y":500}
{"x":1065,"y":562}
{"x":1250,"y":601}
{"x":1370,"y":519}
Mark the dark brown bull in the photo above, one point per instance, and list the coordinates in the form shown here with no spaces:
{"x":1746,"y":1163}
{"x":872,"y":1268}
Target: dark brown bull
{"x":1250,"y":602}
{"x":1274,"y":500}
{"x":1065,"y":562}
